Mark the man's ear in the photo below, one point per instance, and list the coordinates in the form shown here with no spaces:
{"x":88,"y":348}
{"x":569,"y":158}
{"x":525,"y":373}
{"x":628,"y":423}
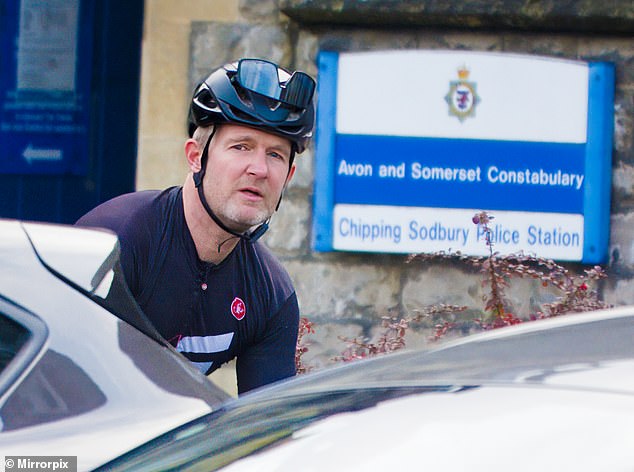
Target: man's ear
{"x":291,"y":173}
{"x":193,"y":153}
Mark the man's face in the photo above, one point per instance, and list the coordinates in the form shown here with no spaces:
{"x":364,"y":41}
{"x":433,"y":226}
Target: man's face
{"x":247,"y":170}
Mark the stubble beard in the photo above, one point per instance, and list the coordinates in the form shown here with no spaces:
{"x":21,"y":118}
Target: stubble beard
{"x":238,"y":217}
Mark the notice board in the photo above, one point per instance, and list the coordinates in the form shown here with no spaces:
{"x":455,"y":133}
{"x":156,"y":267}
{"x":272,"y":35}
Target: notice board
{"x":410,"y":144}
{"x":45,"y":86}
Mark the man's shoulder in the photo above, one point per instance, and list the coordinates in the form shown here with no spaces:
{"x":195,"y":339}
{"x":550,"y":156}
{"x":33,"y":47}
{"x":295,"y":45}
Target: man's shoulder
{"x":131,"y":209}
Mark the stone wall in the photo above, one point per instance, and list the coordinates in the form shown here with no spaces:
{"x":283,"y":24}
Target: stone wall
{"x":346,"y":294}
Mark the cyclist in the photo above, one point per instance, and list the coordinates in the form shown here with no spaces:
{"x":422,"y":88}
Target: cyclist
{"x":190,"y":253}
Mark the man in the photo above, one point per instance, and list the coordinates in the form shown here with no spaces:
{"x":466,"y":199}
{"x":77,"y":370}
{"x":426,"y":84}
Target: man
{"x":190,"y":254}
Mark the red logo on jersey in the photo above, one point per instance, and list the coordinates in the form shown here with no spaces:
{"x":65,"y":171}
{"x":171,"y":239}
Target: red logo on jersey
{"x":238,"y":308}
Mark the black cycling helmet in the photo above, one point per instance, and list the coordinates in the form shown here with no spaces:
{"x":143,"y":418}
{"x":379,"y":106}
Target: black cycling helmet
{"x":258,"y":93}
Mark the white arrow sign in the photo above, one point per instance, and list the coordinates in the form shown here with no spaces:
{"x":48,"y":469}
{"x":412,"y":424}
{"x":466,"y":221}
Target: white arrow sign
{"x":35,"y":154}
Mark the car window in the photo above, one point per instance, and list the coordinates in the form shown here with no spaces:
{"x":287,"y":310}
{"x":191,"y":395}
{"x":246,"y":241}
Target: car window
{"x":12,"y":338}
{"x":22,"y":336}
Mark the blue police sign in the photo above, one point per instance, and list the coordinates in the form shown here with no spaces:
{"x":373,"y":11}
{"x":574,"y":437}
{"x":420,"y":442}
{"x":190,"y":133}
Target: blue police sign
{"x":410,"y":144}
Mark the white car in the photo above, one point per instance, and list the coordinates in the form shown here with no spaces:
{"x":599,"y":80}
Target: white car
{"x":82,"y":372}
{"x":552,"y":395}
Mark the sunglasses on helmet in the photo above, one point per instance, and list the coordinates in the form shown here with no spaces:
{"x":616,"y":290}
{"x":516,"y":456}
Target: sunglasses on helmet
{"x":265,"y":78}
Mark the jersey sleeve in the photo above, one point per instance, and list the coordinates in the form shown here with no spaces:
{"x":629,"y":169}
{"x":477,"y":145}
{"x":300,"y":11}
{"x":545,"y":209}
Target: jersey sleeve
{"x":272,"y":358}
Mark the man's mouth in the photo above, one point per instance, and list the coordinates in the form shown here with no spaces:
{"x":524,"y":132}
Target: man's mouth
{"x":252,"y":193}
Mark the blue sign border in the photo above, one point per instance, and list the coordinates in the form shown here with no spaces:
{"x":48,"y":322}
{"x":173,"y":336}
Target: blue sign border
{"x":328,"y":63}
{"x":596,"y":202}
{"x":598,"y":150}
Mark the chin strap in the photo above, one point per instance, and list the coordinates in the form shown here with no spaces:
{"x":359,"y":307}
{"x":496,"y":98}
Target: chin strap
{"x":198,"y":182}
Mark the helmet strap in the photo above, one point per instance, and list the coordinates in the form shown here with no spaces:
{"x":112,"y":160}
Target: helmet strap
{"x":198,"y":182}
{"x":290,"y":164}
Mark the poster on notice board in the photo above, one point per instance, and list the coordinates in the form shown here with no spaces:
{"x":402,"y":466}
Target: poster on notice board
{"x":45,"y":86}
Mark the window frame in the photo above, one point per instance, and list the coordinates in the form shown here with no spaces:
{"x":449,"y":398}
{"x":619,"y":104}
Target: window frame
{"x":28,"y":354}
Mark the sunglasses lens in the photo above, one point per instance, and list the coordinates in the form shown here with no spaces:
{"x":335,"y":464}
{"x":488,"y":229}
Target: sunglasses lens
{"x":262,"y":77}
{"x":299,"y":90}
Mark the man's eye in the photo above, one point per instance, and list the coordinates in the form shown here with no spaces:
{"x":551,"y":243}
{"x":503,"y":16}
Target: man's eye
{"x":277,"y":155}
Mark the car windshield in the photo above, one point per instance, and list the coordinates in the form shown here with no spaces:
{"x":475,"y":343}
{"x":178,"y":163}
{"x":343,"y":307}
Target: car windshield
{"x":95,"y":270}
{"x":240,"y":429}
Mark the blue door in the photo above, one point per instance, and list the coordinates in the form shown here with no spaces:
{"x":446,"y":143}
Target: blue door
{"x":69,"y":92}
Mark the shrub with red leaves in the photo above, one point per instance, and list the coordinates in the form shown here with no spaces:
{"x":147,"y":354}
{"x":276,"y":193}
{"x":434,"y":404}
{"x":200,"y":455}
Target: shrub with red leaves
{"x":498,"y":270}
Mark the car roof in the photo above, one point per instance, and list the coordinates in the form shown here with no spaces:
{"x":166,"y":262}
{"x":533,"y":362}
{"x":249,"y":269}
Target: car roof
{"x":567,"y":350}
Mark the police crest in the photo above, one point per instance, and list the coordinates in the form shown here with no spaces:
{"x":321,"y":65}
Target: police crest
{"x":462,"y":97}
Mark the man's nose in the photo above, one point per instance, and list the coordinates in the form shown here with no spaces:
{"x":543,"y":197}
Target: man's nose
{"x":258,"y":164}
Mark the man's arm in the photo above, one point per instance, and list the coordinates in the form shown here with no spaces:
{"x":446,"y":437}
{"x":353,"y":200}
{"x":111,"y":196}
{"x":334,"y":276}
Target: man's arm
{"x":273,"y":357}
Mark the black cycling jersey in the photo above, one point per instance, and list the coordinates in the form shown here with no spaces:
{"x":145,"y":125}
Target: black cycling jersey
{"x":244,"y":307}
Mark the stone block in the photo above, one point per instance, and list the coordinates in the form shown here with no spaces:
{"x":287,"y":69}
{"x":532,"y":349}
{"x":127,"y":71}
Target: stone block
{"x":622,"y":244}
{"x":623,"y":187}
{"x":615,"y":16}
{"x":325,"y":344}
{"x":304,"y":175}
{"x":259,"y":11}
{"x":624,"y":125}
{"x":542,"y":45}
{"x":458,"y":283}
{"x":214,"y":44}
{"x":288,"y":231}
{"x":344,"y":287}
{"x":429,"y":284}
{"x":619,"y":293}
